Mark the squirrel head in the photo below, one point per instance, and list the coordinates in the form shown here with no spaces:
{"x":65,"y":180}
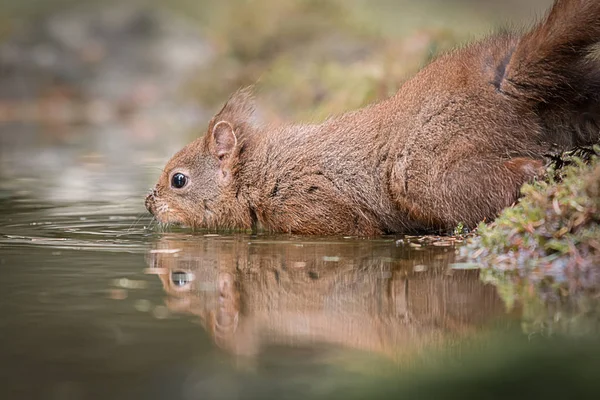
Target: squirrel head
{"x":199,"y":186}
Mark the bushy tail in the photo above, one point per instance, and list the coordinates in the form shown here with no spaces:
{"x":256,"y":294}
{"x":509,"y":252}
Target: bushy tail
{"x":555,"y":69}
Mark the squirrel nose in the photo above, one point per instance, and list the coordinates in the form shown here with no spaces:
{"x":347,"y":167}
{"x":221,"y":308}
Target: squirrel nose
{"x":149,"y":203}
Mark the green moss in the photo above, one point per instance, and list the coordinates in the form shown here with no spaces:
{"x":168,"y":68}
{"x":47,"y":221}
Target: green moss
{"x":460,"y":229}
{"x":554,"y":226}
{"x":544,"y":253}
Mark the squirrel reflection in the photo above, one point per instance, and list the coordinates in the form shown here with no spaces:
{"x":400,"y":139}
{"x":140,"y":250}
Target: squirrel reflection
{"x":250,"y":294}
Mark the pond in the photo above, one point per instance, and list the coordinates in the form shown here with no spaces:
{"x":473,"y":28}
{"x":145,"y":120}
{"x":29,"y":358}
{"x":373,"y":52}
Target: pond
{"x":98,"y":302}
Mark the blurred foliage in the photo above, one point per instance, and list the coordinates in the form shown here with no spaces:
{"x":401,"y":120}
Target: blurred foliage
{"x":310,"y":58}
{"x":314,"y":58}
{"x":510,"y":369}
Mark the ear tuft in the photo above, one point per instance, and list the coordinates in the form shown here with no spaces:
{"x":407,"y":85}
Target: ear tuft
{"x":224,"y":139}
{"x":239,"y":108}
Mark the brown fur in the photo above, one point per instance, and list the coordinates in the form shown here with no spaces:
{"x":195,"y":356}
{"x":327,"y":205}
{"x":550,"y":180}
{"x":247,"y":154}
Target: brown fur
{"x":455,"y":144}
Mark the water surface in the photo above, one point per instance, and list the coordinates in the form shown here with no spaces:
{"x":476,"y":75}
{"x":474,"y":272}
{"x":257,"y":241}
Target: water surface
{"x":98,"y":302}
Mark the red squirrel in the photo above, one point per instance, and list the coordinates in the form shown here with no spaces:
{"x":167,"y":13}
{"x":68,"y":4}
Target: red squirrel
{"x":453,"y":145}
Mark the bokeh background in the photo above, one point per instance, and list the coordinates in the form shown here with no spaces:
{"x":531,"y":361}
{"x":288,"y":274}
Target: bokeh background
{"x":96,"y":95}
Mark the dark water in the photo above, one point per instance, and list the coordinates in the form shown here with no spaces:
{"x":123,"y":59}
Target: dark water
{"x":96,"y":306}
{"x":97,"y":302}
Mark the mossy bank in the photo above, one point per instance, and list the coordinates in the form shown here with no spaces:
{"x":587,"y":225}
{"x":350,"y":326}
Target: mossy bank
{"x":544,"y":252}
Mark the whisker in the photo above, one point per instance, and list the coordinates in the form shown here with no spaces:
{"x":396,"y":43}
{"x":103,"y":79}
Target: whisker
{"x":135,"y":222}
{"x":149,"y":227}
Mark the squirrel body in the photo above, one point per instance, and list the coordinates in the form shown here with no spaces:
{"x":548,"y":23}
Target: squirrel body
{"x":453,"y":145}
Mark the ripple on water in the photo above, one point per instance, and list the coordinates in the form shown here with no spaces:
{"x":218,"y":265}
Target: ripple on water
{"x":88,"y":226}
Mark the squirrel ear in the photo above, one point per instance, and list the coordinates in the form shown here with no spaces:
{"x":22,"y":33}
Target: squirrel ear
{"x":223,"y":139}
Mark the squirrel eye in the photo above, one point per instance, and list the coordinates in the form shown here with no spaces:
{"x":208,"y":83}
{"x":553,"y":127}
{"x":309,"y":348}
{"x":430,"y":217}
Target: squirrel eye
{"x":180,"y":278}
{"x":179,"y":180}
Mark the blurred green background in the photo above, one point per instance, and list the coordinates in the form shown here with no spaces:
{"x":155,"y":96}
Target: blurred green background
{"x":96,"y":95}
